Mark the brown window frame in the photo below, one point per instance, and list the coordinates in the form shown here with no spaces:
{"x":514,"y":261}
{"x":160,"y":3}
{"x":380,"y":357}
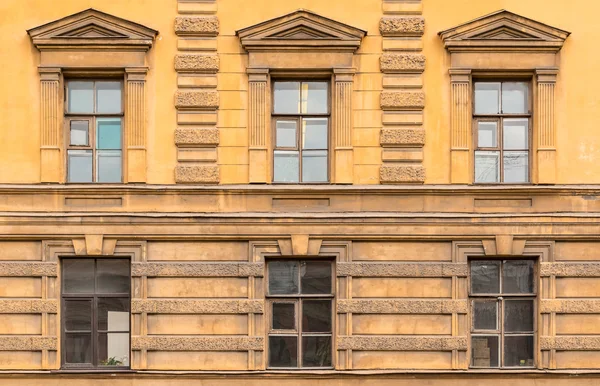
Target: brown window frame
{"x":499,"y":118}
{"x":297,"y":300}
{"x":275,"y":117}
{"x":93,"y":298}
{"x":500,"y":299}
{"x":91,"y":118}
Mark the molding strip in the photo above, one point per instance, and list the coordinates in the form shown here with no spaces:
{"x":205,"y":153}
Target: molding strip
{"x":395,"y":306}
{"x":402,"y":269}
{"x":189,"y":343}
{"x":197,"y":269}
{"x":402,"y":343}
{"x":14,"y":268}
{"x":189,"y":306}
{"x":31,"y":306}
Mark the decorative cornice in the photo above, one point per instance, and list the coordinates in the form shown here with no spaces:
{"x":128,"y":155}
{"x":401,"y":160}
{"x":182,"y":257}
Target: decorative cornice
{"x":390,"y":174}
{"x":402,"y":343}
{"x":190,"y":306}
{"x":396,"y":306}
{"x":28,"y":343}
{"x":402,"y":137}
{"x":28,"y":269}
{"x":197,"y":63}
{"x":393,"y":100}
{"x":196,"y":136}
{"x":402,"y":269}
{"x":392,"y":63}
{"x":207,"y":174}
{"x":193,"y":25}
{"x":402,"y":26}
{"x":31,"y":306}
{"x":211,"y":343}
{"x":197,"y":269}
{"x":206,"y":99}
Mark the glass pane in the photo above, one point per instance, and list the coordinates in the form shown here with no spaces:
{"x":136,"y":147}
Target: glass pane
{"x":485,"y":351}
{"x":79,"y":133}
{"x":487,"y":134}
{"x":81,"y":97}
{"x":516,"y":166}
{"x":485,"y":277}
{"x":517,"y":277}
{"x":78,"y":348}
{"x":283,"y":351}
{"x":287,"y":98}
{"x":113,"y":276}
{"x":514,"y":98}
{"x":314,"y":133}
{"x":518,"y":351}
{"x":78,"y":276}
{"x":284,"y":316}
{"x":314,"y":97}
{"x":113,"y":314}
{"x":316,"y":316}
{"x":487,"y":98}
{"x":109,"y":166}
{"x":314,"y":166}
{"x":286,"y":166}
{"x":113,"y":349}
{"x":108,"y":133}
{"x":286,"y":134}
{"x":283,"y":277}
{"x":315,"y":277}
{"x":485,"y":315}
{"x":80,"y":165}
{"x":516,"y":134}
{"x":316,"y":351}
{"x":78,"y":315}
{"x":518,"y":315}
{"x":487,"y":166}
{"x":108,"y":97}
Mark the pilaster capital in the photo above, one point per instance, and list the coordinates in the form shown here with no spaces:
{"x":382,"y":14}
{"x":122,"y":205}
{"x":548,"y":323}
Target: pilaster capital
{"x":460,"y":75}
{"x":49,"y":73}
{"x":344,"y":74}
{"x":137,"y":74}
{"x":546,"y":75}
{"x":257,"y":74}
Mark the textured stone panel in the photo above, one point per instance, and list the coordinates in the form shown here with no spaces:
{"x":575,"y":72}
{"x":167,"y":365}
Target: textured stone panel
{"x":570,"y":269}
{"x":390,"y":63}
{"x":172,"y":306}
{"x":401,"y":173}
{"x":400,"y":137}
{"x":27,"y":343}
{"x":396,"y":306}
{"x":28,"y":269}
{"x":398,"y":100}
{"x":196,"y":63}
{"x":33,"y":306}
{"x":197,"y":269}
{"x":204,"y":174}
{"x":395,"y":343}
{"x":401,"y":269}
{"x":206,"y":99}
{"x":579,"y":306}
{"x":201,"y":26}
{"x":212,"y":343}
{"x":196,"y":136}
{"x":570,"y":343}
{"x":402,"y":26}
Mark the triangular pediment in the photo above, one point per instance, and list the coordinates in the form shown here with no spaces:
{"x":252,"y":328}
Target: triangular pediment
{"x":301,"y":29}
{"x":92,"y":28}
{"x":504,"y":30}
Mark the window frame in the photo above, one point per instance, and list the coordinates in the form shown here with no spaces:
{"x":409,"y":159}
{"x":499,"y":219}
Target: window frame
{"x":499,"y":118}
{"x":297,"y":300}
{"x":92,"y":118}
{"x":93,"y":297}
{"x":275,"y":117}
{"x":500,"y":298}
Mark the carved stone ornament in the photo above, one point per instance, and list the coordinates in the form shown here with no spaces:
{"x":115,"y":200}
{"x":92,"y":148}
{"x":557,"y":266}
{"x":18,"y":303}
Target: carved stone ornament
{"x":301,"y":30}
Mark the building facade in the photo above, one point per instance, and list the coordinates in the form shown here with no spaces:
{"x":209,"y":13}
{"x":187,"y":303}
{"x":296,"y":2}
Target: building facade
{"x":299,"y":192}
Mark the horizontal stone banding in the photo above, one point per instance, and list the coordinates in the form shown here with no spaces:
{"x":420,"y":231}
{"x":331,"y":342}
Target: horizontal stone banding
{"x":401,"y":343}
{"x":196,"y":136}
{"x":190,"y":306}
{"x":392,"y":63}
{"x":579,"y":306}
{"x":207,"y":174}
{"x":28,"y":343}
{"x":570,"y":343}
{"x":197,"y":63}
{"x":206,"y":99}
{"x":402,"y":269}
{"x":396,"y":306}
{"x":402,"y":173}
{"x":30,"y":306}
{"x":402,"y":137}
{"x":570,"y":269}
{"x":197,"y":269}
{"x":28,"y":269}
{"x":196,"y":25}
{"x":189,"y":343}
{"x":398,"y":100}
{"x":402,"y":26}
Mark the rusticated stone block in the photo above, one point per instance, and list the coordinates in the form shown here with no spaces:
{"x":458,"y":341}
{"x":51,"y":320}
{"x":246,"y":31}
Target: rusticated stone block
{"x":402,"y":137}
{"x":402,"y":100}
{"x":201,"y":174}
{"x":190,"y":306}
{"x":195,"y":25}
{"x":402,"y":63}
{"x":396,"y":306}
{"x":402,"y":269}
{"x":395,"y":343}
{"x":579,"y":306}
{"x":197,"y":269}
{"x":28,"y":269}
{"x":197,"y":63}
{"x":32,"y":306}
{"x":393,"y":174}
{"x":402,"y":26}
{"x":195,"y":136}
{"x":27,"y":343}
{"x":570,"y":269}
{"x":211,"y":343}
{"x":197,"y":99}
{"x":565,"y":343}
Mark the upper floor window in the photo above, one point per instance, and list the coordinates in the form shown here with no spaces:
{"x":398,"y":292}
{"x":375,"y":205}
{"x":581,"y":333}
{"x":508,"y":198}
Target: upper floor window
{"x":503,"y":313}
{"x":502,"y":119}
{"x":95,"y":312}
{"x":301,"y":135}
{"x":300,"y":298}
{"x":94,"y":122}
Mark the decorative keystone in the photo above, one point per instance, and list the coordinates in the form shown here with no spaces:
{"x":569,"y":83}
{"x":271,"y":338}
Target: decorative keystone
{"x":197,"y":99}
{"x":194,"y":136}
{"x":197,"y":63}
{"x":189,"y":25}
{"x":394,"y":174}
{"x":402,"y":26}
{"x":390,"y":63}
{"x":201,"y":174}
{"x":402,"y":100}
